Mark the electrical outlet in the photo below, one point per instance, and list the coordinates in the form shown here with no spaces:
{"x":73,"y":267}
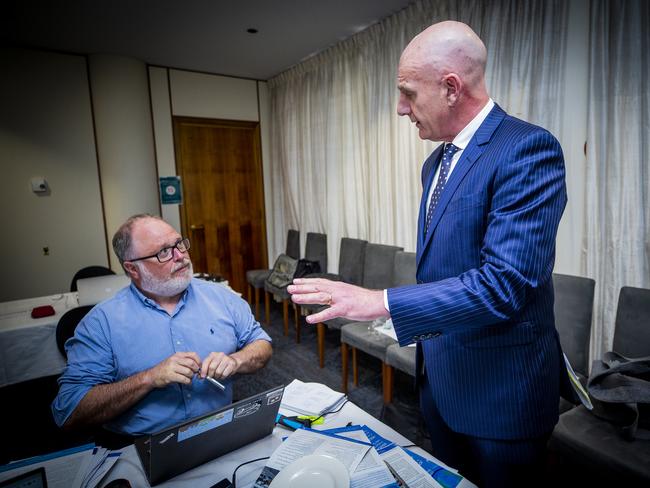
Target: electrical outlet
{"x":46,"y":251}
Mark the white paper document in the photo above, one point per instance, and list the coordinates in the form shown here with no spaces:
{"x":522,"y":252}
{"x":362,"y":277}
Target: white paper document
{"x":311,"y":398}
{"x":408,"y":470}
{"x":80,"y":467}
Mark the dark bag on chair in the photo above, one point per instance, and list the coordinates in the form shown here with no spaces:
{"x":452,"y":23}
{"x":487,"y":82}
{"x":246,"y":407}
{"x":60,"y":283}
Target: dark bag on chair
{"x":306,"y":267}
{"x":283,"y":270}
{"x":620,"y":388}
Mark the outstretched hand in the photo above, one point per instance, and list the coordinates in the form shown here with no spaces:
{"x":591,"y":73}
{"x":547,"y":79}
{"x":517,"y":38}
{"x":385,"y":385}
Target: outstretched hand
{"x":343,"y":300}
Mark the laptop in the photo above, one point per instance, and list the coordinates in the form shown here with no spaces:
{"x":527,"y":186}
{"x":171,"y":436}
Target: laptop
{"x":176,"y":449}
{"x":34,"y":478}
{"x":94,"y":290}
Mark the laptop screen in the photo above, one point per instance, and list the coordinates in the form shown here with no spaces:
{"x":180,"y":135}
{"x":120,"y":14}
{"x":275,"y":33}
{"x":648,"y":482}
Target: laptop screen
{"x":100,"y":288}
{"x":184,"y":446}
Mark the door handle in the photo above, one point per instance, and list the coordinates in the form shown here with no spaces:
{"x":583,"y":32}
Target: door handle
{"x":197,"y":227}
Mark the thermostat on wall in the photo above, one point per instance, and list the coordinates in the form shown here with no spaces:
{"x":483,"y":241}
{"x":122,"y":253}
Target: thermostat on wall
{"x":39,"y":185}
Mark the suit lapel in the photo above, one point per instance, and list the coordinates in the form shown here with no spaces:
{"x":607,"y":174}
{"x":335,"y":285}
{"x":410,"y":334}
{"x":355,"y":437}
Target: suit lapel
{"x":468,"y":158}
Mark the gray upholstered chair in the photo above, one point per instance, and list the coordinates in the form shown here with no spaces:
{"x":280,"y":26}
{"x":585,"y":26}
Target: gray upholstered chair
{"x":361,"y":335}
{"x":377,"y":274}
{"x":257,"y":277}
{"x":352,"y":253}
{"x":574,"y":303}
{"x":397,"y":357}
{"x":580,"y":438}
{"x":315,"y":250}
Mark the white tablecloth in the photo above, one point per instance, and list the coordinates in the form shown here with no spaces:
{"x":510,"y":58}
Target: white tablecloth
{"x":128,"y":466}
{"x":28,"y":346}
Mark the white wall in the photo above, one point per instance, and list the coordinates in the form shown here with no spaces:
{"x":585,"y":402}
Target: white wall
{"x":125,"y":145}
{"x":46,"y":130}
{"x":211,"y":96}
{"x":164,"y":135}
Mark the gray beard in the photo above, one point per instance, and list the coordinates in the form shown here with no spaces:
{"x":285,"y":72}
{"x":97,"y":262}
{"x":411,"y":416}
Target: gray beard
{"x":165,"y":288}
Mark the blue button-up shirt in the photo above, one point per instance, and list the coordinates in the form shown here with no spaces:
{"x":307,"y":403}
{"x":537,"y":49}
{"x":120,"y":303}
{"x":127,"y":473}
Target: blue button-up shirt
{"x":130,"y":333}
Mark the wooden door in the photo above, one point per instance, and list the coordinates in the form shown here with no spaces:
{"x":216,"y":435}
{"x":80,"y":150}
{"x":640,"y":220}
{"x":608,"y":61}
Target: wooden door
{"x":223,"y":200}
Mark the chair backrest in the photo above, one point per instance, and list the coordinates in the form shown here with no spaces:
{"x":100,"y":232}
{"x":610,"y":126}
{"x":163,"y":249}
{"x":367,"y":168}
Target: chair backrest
{"x":89,"y":272}
{"x":632,"y":327}
{"x":404,"y":270}
{"x":67,"y":324}
{"x":293,"y":244}
{"x":574,"y":303}
{"x":316,"y":249}
{"x":378,"y":266}
{"x":351,"y":256}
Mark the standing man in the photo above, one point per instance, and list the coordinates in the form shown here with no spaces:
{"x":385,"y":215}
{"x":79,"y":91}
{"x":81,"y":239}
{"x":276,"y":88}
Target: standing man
{"x":489,"y":363}
{"x":138,"y":362}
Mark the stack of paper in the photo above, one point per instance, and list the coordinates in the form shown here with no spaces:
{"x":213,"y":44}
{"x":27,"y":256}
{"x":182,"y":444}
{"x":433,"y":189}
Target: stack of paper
{"x":78,"y":467}
{"x":371,"y":460}
{"x":311,"y":398}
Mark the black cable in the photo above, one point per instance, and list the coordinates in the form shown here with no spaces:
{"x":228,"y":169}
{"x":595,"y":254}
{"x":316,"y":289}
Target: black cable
{"x":328,"y":413}
{"x":234,"y":473}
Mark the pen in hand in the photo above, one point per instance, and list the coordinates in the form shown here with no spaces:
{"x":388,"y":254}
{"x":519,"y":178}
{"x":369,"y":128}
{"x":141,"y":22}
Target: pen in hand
{"x":215,"y":383}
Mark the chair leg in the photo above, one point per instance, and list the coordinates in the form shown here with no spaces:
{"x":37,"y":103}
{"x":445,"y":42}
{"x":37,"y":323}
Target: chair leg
{"x":387,"y":380}
{"x":285,"y":315}
{"x":257,"y":303}
{"x":344,"y":366}
{"x":297,"y":322}
{"x":267,"y":307}
{"x":355,"y":369}
{"x":320,"y":330}
{"x":249,"y":295}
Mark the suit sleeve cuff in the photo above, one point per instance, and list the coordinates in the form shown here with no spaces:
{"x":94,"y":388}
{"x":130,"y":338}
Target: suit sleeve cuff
{"x":386,"y":301}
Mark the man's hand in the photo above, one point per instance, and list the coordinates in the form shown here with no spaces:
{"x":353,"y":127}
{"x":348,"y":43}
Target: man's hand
{"x":219,"y":365}
{"x":179,"y":368}
{"x":344,"y":300}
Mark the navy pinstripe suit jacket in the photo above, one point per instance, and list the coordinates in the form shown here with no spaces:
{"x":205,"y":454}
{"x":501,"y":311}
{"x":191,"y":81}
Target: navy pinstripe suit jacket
{"x":482,"y":311}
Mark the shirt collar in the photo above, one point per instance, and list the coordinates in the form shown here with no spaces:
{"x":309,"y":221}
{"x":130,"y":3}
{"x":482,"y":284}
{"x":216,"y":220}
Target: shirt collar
{"x":464,"y":136}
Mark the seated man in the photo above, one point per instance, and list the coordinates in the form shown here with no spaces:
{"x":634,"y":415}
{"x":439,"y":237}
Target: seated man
{"x":138,"y":361}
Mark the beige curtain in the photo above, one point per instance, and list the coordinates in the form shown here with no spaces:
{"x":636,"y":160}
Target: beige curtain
{"x":618,"y":153}
{"x":345,"y":164}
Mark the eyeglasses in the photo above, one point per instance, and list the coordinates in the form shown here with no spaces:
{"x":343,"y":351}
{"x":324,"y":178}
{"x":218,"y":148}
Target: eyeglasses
{"x":167,"y":253}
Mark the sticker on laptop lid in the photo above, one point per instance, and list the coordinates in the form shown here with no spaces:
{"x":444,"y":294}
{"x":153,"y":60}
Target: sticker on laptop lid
{"x":248,"y":409}
{"x":274,"y":396}
{"x":205,"y":424}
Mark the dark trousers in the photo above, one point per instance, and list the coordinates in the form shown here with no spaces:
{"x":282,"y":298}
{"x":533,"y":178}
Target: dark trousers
{"x":486,"y":462}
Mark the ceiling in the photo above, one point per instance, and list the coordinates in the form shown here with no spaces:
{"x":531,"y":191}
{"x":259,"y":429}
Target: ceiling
{"x":201,"y":35}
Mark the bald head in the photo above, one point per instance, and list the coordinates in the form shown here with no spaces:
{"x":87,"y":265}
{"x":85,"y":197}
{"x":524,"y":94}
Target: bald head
{"x":442,"y":76}
{"x":449,"y":47}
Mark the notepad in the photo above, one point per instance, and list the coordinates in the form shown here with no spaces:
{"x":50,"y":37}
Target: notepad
{"x":311,"y":398}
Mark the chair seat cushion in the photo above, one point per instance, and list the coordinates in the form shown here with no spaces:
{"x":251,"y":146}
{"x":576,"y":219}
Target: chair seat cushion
{"x":599,"y":443}
{"x":257,"y":277}
{"x":371,"y":342}
{"x":402,"y":358}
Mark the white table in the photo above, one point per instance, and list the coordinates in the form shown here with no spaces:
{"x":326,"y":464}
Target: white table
{"x":28,"y":346}
{"x":128,"y":466}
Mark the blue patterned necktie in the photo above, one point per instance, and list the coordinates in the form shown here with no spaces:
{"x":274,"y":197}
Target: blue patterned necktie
{"x":445,"y":164}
